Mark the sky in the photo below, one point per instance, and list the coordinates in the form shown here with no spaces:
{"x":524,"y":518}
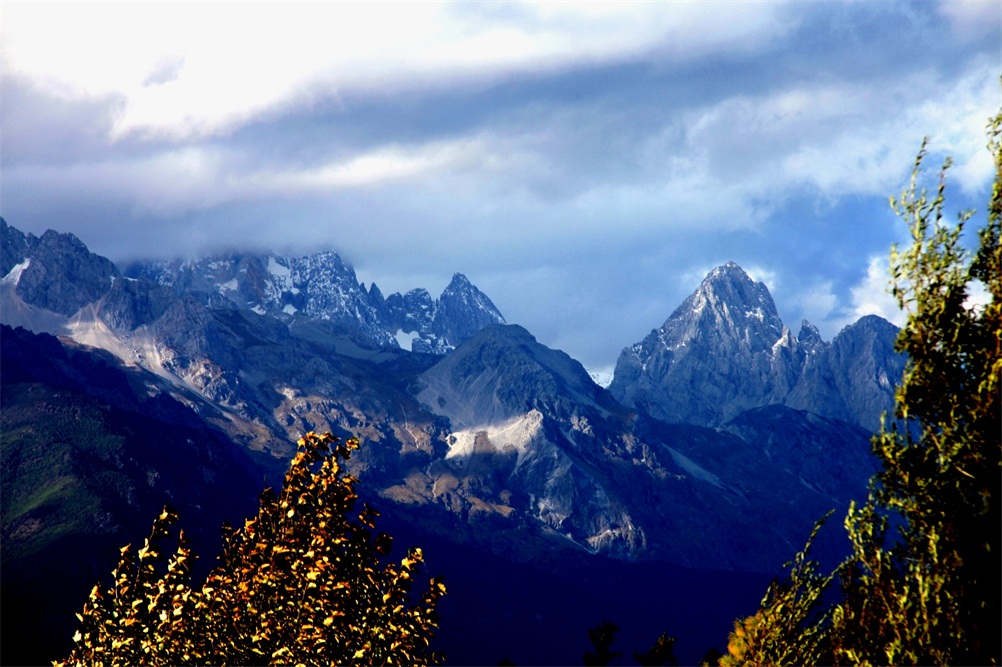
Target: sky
{"x":584,"y":164}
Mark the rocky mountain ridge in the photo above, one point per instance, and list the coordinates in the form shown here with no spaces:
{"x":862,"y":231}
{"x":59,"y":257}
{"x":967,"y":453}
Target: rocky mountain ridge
{"x":533,"y":440}
{"x":321,"y":286}
{"x":725,"y":350}
{"x":500,"y":441}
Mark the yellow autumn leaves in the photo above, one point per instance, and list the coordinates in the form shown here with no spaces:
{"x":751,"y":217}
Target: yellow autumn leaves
{"x":302,"y":582}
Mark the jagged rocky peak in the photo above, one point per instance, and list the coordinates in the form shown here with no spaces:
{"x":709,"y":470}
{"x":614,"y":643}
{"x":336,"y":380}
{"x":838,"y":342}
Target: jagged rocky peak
{"x":323,"y":286}
{"x":722,"y":351}
{"x":376,"y":295}
{"x":320,"y":286}
{"x":725,"y":350}
{"x":439,"y":325}
{"x":331,"y":287}
{"x":730,"y":298}
{"x":809,"y":335}
{"x":15,"y":247}
{"x":853,"y":377}
{"x":58,"y":273}
{"x":463,"y":310}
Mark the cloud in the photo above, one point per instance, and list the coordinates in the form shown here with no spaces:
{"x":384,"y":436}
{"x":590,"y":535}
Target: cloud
{"x":978,"y":296}
{"x":215,"y":66}
{"x":849,"y":137}
{"x":871,"y":296}
{"x":817,"y":301}
{"x":971,"y":18}
{"x":761,"y":274}
{"x":376,"y":168}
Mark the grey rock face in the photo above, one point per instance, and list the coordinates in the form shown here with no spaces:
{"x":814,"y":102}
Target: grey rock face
{"x":529,"y":441}
{"x":319,"y":286}
{"x":15,"y":246}
{"x":536,"y":441}
{"x":462,"y":311}
{"x":412,"y":312}
{"x":332,"y":292}
{"x":725,"y":350}
{"x":503,"y":372}
{"x":809,"y":339}
{"x":132,"y":302}
{"x":322,"y":286}
{"x":852,"y":378}
{"x":62,"y":276}
{"x":444,"y":323}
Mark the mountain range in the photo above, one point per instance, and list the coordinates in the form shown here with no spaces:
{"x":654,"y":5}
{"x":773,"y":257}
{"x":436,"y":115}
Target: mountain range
{"x":726,"y":350}
{"x":719,"y":442}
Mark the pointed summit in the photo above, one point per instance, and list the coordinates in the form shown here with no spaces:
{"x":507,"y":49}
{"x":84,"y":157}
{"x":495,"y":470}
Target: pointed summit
{"x":735,"y":300}
{"x":459,"y":281}
{"x":809,"y":338}
{"x":725,"y":350}
{"x":442,"y":324}
{"x":722,"y":351}
{"x":462,"y":311}
{"x":728,"y":306}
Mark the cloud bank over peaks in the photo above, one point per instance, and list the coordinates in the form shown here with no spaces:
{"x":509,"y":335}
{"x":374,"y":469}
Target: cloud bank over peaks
{"x":273,"y":54}
{"x":580,"y":159}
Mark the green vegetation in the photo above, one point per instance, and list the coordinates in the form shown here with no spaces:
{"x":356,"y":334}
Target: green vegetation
{"x":603,"y":636}
{"x":44,"y":499}
{"x":301,"y":583}
{"x":661,"y":653}
{"x":922,"y":584}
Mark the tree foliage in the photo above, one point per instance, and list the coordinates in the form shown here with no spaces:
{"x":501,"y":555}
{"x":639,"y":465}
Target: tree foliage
{"x":661,"y":653}
{"x":301,"y":583}
{"x":602,"y":637}
{"x":922,"y":584}
{"x":788,"y":629}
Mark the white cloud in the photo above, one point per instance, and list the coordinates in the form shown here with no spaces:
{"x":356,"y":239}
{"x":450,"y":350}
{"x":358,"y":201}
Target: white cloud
{"x":761,"y":274}
{"x":179,"y":180}
{"x":849,"y":137}
{"x":379,"y":167}
{"x":816,"y":302}
{"x":196,"y":69}
{"x":166,"y":183}
{"x":871,"y":296}
{"x":971,"y":18}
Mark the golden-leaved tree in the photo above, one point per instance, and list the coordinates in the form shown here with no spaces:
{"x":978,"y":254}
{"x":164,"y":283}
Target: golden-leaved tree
{"x":301,"y":583}
{"x":922,"y":584}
